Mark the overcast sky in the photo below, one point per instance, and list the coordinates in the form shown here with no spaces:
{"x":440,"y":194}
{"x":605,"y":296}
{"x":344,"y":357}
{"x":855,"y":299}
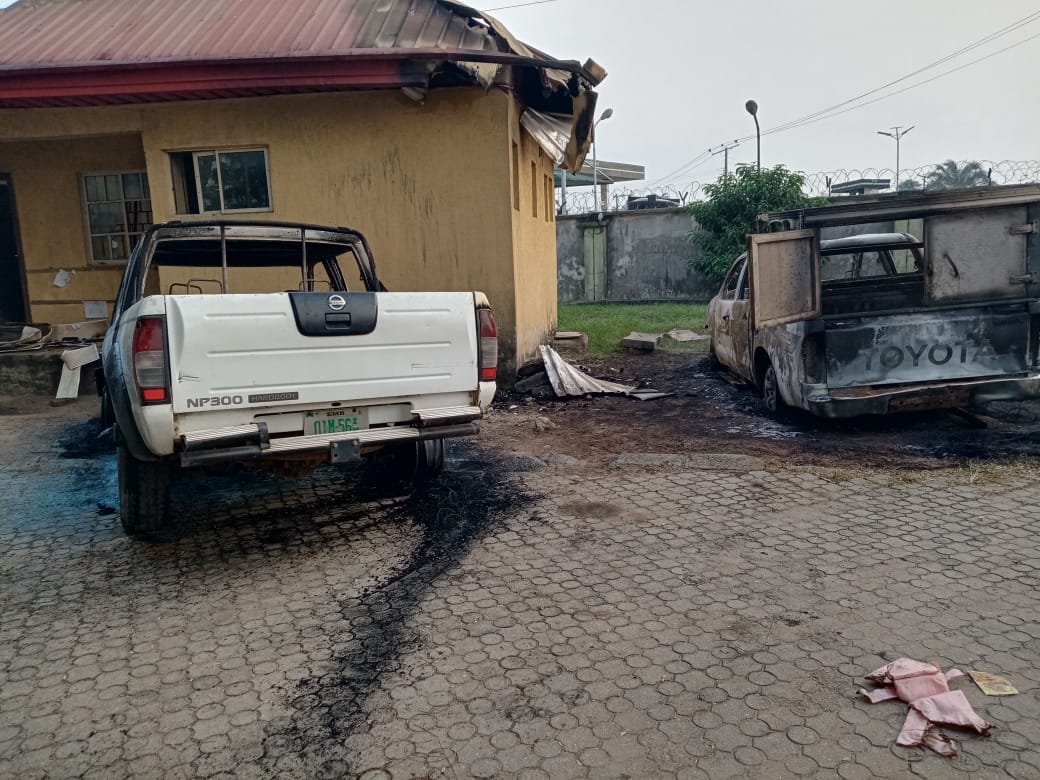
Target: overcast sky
{"x":680,"y":72}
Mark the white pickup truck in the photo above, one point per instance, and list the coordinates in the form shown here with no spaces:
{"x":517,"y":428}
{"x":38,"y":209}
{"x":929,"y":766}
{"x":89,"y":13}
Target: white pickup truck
{"x":237,"y":342}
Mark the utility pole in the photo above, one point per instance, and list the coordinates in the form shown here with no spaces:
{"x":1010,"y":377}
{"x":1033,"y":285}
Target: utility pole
{"x":897,"y":133}
{"x":723,"y":149}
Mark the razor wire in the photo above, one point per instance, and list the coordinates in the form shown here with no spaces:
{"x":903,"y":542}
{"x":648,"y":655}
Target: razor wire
{"x":623,"y":198}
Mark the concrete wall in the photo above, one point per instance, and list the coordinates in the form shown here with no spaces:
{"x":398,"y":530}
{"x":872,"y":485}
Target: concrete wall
{"x":646,"y":256}
{"x":433,"y":186}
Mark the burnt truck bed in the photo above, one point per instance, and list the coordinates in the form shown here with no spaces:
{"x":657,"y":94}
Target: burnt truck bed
{"x":944,"y":315}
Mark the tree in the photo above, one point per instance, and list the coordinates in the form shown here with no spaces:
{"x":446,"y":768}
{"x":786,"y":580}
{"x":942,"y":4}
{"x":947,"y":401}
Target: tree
{"x":909,"y":185}
{"x":731,"y":208}
{"x":950,"y":176}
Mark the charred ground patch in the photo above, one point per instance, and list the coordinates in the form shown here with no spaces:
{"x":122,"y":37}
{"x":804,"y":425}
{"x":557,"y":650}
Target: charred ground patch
{"x":474,"y":496}
{"x":710,"y":411}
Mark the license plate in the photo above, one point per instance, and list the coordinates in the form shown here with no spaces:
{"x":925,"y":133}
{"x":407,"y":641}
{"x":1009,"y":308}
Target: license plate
{"x":326,"y":421}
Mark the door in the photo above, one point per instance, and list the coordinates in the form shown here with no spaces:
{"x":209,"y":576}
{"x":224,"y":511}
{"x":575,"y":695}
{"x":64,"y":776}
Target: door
{"x":979,"y":255}
{"x":731,"y":333}
{"x":785,"y":278}
{"x":595,"y":263}
{"x":12,"y":275}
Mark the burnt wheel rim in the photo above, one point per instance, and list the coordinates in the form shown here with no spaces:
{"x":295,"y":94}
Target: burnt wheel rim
{"x":769,"y":390}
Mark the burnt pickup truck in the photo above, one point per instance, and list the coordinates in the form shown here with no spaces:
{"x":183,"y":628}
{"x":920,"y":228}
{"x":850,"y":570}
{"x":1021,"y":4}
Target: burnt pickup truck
{"x":943,"y":314}
{"x":276,"y":344}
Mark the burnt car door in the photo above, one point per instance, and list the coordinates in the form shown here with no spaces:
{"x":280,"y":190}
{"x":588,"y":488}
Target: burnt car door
{"x":980,"y":255}
{"x":729,"y":336}
{"x":784,"y":277}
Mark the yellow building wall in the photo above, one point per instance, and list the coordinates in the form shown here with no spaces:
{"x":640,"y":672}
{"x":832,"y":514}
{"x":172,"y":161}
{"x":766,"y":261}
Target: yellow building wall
{"x":534,"y":242}
{"x":46,"y":177}
{"x":427,"y":184}
{"x":430,"y":185}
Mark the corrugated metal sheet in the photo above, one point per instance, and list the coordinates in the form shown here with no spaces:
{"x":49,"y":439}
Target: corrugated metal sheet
{"x":566,"y":380}
{"x":65,"y":33}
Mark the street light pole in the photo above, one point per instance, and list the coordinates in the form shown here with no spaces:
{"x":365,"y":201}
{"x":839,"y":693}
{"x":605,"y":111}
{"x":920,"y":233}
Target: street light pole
{"x":752,"y":108}
{"x":897,"y":133}
{"x":595,"y":161}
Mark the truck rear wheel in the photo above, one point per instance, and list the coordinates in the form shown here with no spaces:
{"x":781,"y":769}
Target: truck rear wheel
{"x":429,"y":459}
{"x":771,"y":398}
{"x":415,"y":462}
{"x":144,"y":494}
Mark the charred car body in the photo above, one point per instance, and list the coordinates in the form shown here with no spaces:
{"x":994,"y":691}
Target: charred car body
{"x":943,"y":315}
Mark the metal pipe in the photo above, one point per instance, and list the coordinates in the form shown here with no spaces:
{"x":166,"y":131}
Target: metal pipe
{"x":223,"y":259}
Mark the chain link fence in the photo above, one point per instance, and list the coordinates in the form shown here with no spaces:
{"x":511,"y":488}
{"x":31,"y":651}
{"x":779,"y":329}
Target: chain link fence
{"x":620,"y":198}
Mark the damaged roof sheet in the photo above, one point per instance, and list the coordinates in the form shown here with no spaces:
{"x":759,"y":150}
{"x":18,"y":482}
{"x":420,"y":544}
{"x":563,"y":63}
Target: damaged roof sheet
{"x":566,"y":380}
{"x":57,"y":33}
{"x":105,"y":52}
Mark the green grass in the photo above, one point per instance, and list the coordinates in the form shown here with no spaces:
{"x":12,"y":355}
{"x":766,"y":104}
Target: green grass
{"x":607,"y":323}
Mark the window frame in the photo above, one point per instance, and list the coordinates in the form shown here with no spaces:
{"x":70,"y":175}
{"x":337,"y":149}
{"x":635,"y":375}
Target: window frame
{"x":736,"y":273}
{"x":216,"y":152}
{"x":86,"y":204}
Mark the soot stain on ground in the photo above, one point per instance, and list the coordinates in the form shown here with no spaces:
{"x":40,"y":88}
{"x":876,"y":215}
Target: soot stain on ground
{"x":710,"y":410}
{"x":85,"y":441}
{"x":468,"y":503}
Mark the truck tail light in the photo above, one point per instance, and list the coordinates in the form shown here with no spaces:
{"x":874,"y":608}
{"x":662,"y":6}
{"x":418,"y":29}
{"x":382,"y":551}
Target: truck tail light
{"x":150,"y":360}
{"x":488,"y":351}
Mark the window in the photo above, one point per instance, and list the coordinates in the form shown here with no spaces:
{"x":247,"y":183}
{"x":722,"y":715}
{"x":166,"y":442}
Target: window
{"x":210,"y":182}
{"x":730,"y":287}
{"x":516,"y":176}
{"x":871,"y":263}
{"x":855,"y":265}
{"x":119,"y":211}
{"x":534,"y":189}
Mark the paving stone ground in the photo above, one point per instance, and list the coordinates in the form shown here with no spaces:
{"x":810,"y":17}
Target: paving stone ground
{"x":642,"y":621}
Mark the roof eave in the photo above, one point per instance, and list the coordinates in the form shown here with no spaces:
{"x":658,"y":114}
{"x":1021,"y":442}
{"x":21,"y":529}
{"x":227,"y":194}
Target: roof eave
{"x":126,"y":82}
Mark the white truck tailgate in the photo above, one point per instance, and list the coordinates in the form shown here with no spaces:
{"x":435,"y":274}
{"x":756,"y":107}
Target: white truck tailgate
{"x":250,"y":348}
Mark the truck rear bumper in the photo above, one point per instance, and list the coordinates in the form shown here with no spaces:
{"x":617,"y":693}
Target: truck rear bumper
{"x":250,"y":442}
{"x":857,"y":401}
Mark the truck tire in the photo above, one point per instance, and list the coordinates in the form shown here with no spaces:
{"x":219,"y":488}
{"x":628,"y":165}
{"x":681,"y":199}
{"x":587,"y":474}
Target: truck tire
{"x":144,"y":494}
{"x":430,"y":460}
{"x":413,"y":463}
{"x":771,"y":399}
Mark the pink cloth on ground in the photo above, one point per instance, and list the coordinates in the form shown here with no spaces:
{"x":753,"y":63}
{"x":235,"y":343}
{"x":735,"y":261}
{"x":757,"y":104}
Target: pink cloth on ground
{"x":926,"y":689}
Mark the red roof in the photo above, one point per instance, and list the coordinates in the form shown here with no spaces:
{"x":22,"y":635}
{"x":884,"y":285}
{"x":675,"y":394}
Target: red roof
{"x":93,"y":52}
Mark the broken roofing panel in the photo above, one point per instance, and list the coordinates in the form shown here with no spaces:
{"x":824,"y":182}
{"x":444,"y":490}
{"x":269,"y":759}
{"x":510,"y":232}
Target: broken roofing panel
{"x":566,"y":380}
{"x":105,"y":52}
{"x":551,"y":131}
